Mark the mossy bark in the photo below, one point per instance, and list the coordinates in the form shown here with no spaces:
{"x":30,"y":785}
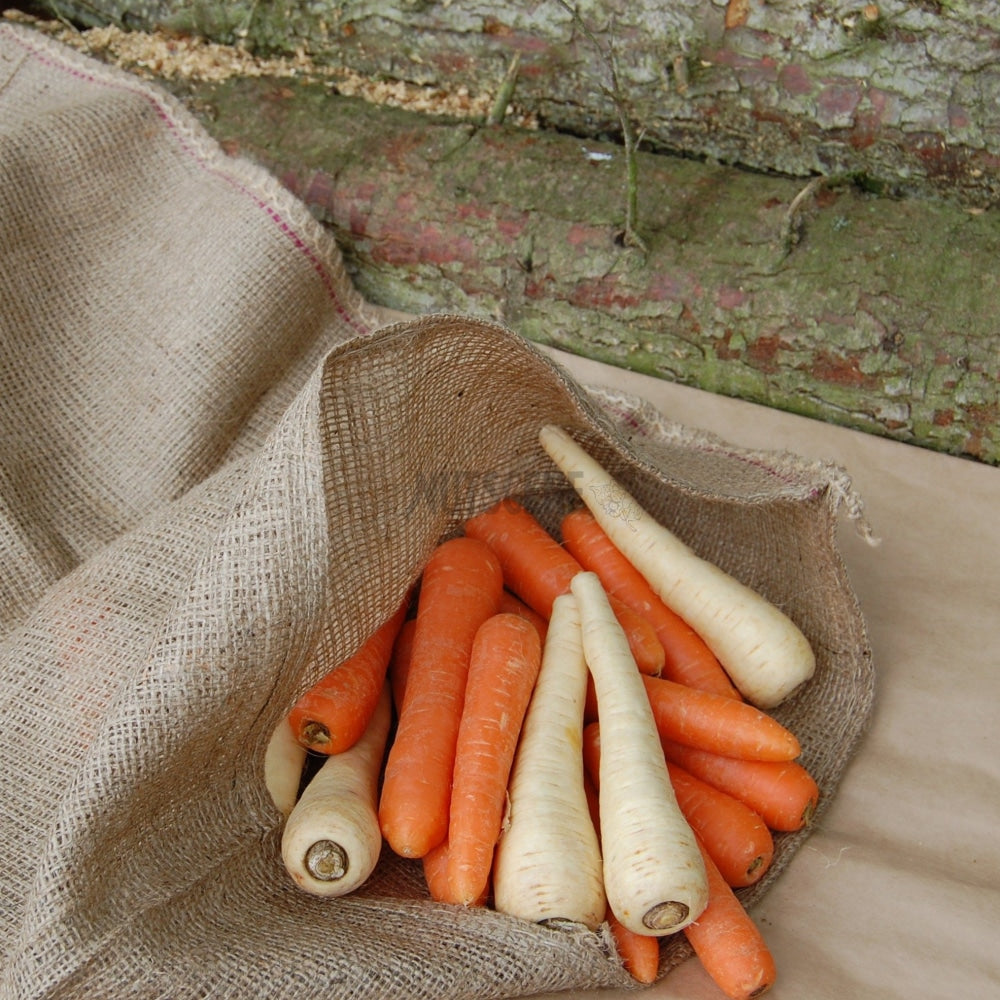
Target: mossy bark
{"x":900,"y":94}
{"x":868,"y":312}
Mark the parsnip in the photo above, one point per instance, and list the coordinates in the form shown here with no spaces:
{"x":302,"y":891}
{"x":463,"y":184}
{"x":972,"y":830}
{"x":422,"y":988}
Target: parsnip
{"x":763,"y":651}
{"x":654,"y":875}
{"x":548,"y":862}
{"x":332,"y":840}
{"x":284,"y":759}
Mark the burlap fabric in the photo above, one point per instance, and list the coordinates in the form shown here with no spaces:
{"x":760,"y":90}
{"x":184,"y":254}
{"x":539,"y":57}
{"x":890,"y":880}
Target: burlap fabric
{"x":217,"y":475}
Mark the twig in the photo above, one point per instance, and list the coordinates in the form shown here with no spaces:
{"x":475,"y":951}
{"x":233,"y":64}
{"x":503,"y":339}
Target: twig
{"x":789,"y":224}
{"x":502,"y":101}
{"x":630,"y":235}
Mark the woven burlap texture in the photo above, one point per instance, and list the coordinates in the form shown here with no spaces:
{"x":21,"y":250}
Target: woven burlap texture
{"x":219,"y":470}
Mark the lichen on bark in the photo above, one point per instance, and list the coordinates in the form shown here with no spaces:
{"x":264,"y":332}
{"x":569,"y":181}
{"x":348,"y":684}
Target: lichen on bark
{"x":879,"y":316}
{"x":902,"y":95}
{"x":821,"y":297}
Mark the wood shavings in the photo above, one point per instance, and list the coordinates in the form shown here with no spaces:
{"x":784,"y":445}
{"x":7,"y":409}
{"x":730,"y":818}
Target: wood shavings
{"x":158,"y":55}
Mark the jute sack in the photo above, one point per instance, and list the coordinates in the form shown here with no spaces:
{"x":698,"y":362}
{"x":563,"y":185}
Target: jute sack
{"x":219,"y":471}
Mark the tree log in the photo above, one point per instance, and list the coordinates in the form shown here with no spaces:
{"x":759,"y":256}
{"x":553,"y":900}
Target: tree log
{"x":824,"y":300}
{"x":903,"y":95}
{"x":816,"y":297}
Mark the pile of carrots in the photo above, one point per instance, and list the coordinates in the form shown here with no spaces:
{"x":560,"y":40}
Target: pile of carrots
{"x":568,"y":746}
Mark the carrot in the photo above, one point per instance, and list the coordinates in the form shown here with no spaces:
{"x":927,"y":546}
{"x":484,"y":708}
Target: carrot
{"x":783,"y":793}
{"x":764,"y":653}
{"x":592,"y":753}
{"x":460,"y":589}
{"x":717,"y":723}
{"x":593,"y":805}
{"x":538,"y":569}
{"x":728,"y":943}
{"x":331,"y":715}
{"x":687,"y":659}
{"x":640,"y":953}
{"x":512,"y":603}
{"x":653,"y":873}
{"x":503,"y":667}
{"x":332,"y":841}
{"x":734,"y":835}
{"x":399,"y":661}
{"x":435,"y":868}
{"x":590,"y":705}
{"x":547,"y":865}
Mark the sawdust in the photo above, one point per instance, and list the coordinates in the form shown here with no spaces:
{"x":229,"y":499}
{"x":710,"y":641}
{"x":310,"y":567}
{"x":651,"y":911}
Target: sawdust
{"x":159,"y":56}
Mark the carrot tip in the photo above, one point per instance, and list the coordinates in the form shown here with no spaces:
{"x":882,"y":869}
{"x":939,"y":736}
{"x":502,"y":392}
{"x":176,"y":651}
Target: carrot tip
{"x":314,"y":734}
{"x":809,"y":811}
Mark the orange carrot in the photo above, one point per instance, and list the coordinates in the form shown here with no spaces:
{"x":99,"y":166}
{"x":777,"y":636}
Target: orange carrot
{"x":592,"y":803}
{"x":737,"y":838}
{"x":728,"y":943}
{"x":592,"y":754}
{"x":734,"y":835}
{"x":334,"y":713}
{"x":435,"y":867}
{"x":460,"y":590}
{"x":503,"y":668}
{"x":713,"y":722}
{"x":590,"y":704}
{"x":399,"y":661}
{"x":640,"y":953}
{"x":783,"y":793}
{"x":538,"y":569}
{"x":514,"y":605}
{"x":687,"y":658}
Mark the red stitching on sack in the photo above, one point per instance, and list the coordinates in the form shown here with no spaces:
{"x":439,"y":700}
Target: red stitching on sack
{"x":298,"y":241}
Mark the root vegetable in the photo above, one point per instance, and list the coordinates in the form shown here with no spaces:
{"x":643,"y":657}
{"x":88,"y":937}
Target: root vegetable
{"x":331,"y":716}
{"x":729,"y":944}
{"x":548,"y":860}
{"x":332,"y":841}
{"x":783,"y":793}
{"x":538,"y":569}
{"x":654,"y":876}
{"x":640,"y":953}
{"x":735,"y":836}
{"x":460,"y":590}
{"x":503,"y":667}
{"x":764,"y":653}
{"x":687,"y":659}
{"x":717,"y":723}
{"x":284,"y":760}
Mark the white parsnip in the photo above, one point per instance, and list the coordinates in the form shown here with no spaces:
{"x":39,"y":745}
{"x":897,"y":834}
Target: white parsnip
{"x":654,"y":875}
{"x":332,"y":839}
{"x":547,"y":865}
{"x":284,"y":760}
{"x":763,"y":651}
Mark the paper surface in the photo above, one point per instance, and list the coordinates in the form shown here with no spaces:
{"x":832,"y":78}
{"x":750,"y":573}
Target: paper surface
{"x":897,"y":892}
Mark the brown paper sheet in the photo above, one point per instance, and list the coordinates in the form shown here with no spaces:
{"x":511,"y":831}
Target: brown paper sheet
{"x":896,"y":894}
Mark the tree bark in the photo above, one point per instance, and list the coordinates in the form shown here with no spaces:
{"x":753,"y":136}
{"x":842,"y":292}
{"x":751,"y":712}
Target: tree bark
{"x":823,"y":299}
{"x":903,"y":95}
